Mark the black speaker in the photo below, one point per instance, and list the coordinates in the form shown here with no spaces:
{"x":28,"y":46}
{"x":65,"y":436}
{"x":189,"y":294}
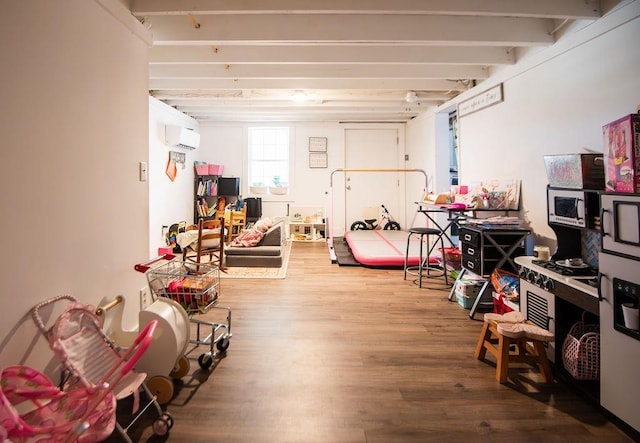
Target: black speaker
{"x":254,"y":208}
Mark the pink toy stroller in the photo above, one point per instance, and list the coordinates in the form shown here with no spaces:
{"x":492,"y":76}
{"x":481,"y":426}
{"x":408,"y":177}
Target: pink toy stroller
{"x":33,"y":409}
{"x":88,"y":356}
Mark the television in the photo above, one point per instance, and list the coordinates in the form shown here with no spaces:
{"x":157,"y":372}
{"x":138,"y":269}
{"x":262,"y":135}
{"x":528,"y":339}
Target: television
{"x":229,"y":186}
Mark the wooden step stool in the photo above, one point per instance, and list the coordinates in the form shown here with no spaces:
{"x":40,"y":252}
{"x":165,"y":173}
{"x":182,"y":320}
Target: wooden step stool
{"x":512,"y":329}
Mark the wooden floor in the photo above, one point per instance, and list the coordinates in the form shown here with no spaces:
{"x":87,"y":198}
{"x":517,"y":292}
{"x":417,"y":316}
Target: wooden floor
{"x":352,"y":355}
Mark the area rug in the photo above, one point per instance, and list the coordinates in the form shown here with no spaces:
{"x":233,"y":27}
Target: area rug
{"x":250,"y":272}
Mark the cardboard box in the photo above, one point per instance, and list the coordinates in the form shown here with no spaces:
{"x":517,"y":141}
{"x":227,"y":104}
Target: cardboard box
{"x":575,"y":171}
{"x":622,"y":154}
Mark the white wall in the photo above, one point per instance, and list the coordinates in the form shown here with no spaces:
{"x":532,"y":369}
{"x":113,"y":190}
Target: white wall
{"x":169,"y":201}
{"x":555,"y":102}
{"x":74,"y":128}
{"x":227,"y":144}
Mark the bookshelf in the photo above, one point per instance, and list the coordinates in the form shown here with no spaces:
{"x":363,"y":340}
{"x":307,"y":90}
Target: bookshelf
{"x":205,"y":199}
{"x":207,"y":193}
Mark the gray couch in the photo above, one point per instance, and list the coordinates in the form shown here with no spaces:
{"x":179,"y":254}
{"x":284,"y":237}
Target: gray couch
{"x":268,"y":253}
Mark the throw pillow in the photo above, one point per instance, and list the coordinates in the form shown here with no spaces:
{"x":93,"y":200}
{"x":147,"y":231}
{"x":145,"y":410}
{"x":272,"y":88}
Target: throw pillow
{"x":248,"y":238}
{"x":263,"y":224}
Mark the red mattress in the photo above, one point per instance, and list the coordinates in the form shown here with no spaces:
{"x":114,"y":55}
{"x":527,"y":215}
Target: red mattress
{"x":384,"y":248}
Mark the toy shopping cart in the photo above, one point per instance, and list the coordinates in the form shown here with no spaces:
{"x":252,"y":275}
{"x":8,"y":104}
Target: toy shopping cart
{"x":34,"y":409}
{"x":196,"y":287}
{"x":89,"y":358}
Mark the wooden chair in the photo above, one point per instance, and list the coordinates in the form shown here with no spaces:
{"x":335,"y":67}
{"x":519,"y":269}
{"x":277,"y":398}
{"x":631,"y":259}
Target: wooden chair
{"x":237,"y":222}
{"x":216,"y":253}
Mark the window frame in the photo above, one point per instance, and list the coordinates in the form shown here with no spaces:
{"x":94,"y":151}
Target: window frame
{"x":268,"y":196}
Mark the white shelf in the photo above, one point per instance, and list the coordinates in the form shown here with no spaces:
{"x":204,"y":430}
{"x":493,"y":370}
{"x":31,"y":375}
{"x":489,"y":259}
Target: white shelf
{"x":310,"y":231}
{"x":306,"y":224}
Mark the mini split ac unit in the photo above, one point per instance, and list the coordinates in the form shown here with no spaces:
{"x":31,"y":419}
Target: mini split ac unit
{"x":181,"y":137}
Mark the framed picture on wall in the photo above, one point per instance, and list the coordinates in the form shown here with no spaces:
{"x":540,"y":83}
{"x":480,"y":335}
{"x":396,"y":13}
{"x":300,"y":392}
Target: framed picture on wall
{"x":317,"y":159}
{"x":317,"y":144}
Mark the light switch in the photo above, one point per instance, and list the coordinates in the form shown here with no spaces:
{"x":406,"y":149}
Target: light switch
{"x":143,"y":171}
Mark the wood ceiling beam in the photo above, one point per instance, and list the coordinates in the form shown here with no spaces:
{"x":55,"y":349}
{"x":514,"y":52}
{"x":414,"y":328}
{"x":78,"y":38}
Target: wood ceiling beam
{"x":314,"y":100}
{"x":340,"y":118}
{"x":572,"y":9}
{"x":320,"y":109}
{"x":255,"y":54}
{"x":264,"y":71}
{"x":352,"y":29}
{"x":287,"y":104}
{"x":203,"y":85}
{"x":413,"y":108}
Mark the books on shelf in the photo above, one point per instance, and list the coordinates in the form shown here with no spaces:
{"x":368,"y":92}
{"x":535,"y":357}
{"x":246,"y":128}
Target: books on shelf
{"x":207,"y":187}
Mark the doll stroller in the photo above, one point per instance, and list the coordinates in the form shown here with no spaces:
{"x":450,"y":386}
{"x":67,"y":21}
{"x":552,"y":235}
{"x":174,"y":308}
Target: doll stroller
{"x":88,"y":356}
{"x":33,"y":409}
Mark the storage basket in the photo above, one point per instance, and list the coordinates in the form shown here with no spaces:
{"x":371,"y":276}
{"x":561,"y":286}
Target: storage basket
{"x":581,"y":351}
{"x":202,"y":169}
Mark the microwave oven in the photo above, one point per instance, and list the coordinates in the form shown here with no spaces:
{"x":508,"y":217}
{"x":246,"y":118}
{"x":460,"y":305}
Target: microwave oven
{"x":567,"y":207}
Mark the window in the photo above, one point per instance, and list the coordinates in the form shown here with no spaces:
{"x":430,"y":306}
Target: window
{"x":268,"y":156}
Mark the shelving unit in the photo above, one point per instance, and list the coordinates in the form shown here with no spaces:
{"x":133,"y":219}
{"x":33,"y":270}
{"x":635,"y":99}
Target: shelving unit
{"x":307,"y":223}
{"x":487,"y":248}
{"x":206,"y":197}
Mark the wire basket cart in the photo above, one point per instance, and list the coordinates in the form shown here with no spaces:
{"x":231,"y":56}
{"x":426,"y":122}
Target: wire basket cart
{"x":196,"y":288}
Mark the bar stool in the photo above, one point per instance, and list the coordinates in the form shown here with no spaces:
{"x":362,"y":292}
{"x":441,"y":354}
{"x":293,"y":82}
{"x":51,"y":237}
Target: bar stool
{"x":423,"y":263}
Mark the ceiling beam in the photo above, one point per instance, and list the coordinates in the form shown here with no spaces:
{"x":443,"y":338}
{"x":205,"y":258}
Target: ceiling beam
{"x":316,"y":71}
{"x":572,"y":9}
{"x":340,"y":118}
{"x":326,"y":29}
{"x":256,"y":54}
{"x":320,"y":109}
{"x":204,"y":84}
{"x":285,"y":100}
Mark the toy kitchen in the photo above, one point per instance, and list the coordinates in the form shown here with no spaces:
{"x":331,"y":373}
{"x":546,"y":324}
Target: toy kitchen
{"x":587,"y":291}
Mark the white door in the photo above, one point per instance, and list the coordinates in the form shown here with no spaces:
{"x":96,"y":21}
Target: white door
{"x":366,"y":191}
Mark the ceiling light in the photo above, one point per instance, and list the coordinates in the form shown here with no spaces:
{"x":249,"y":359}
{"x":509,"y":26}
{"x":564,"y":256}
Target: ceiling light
{"x":299,"y":96}
{"x":411,"y":97}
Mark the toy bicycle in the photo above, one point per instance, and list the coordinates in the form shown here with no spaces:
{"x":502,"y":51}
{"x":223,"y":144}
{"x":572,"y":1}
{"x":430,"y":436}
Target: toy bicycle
{"x":386,"y":222}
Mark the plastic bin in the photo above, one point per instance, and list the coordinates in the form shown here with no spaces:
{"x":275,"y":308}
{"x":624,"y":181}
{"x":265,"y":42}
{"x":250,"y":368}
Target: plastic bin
{"x":202,"y":169}
{"x":215,"y":169}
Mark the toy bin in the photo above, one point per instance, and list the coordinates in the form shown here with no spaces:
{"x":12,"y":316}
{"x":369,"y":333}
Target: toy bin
{"x":215,"y":169}
{"x":202,"y":169}
{"x":467,"y":292}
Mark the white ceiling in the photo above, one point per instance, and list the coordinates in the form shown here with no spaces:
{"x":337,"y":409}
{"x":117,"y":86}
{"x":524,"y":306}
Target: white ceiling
{"x":356,"y":60}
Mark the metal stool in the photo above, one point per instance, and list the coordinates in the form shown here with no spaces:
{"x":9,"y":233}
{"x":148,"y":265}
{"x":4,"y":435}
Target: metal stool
{"x":423,"y":263}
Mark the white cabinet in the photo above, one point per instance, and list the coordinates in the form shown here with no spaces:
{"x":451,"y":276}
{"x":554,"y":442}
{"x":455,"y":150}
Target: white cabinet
{"x":306,"y":223}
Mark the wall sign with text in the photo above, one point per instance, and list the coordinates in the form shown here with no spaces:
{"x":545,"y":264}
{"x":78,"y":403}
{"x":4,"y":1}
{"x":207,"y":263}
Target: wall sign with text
{"x":483,"y":100}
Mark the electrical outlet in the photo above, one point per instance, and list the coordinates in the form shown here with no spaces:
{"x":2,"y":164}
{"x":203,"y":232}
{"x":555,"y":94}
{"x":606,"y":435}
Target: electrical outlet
{"x":145,"y":298}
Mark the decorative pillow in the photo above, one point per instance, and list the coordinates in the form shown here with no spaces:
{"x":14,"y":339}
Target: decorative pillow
{"x":263,"y":224}
{"x":248,"y":238}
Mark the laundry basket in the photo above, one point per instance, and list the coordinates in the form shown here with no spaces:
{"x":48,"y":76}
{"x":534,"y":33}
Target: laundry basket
{"x":581,"y":351}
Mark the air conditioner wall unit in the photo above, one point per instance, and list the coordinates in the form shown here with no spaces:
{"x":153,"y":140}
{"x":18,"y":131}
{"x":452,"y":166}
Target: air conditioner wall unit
{"x":181,"y":137}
